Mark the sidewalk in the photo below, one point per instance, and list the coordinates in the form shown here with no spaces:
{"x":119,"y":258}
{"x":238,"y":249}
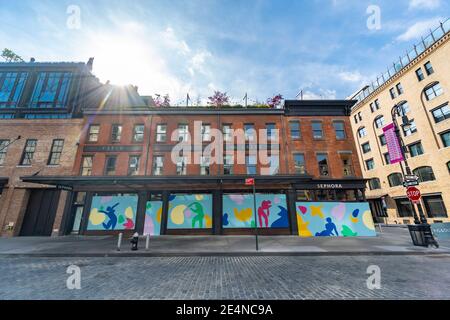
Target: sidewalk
{"x":392,"y":241}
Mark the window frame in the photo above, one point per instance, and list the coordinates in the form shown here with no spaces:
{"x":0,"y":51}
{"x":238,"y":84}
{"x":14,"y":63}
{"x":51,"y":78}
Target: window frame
{"x":26,"y":152}
{"x":161,"y":137}
{"x":116,"y":137}
{"x":91,"y":134}
{"x":440,"y":108}
{"x":417,"y":172}
{"x":141,"y":134}
{"x":315,"y":122}
{"x":58,"y":152}
{"x":302,"y":155}
{"x":106,"y":170}
{"x":82,"y":167}
{"x":341,"y":122}
{"x":395,"y":183}
{"x":130,"y":169}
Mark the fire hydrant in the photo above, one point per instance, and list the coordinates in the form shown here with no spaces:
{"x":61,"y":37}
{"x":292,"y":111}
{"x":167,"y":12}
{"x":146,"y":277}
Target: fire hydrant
{"x":134,"y":241}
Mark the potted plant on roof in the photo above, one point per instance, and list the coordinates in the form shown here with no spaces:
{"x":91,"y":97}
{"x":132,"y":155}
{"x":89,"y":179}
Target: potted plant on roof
{"x":218,"y":99}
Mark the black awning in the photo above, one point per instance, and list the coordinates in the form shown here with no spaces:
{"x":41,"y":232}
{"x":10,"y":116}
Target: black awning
{"x":75,"y":181}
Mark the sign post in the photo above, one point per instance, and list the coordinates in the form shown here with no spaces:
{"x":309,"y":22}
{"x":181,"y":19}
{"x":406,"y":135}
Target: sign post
{"x":251,"y":182}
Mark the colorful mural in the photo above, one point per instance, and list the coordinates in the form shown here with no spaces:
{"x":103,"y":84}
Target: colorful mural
{"x":113,"y":212}
{"x":153,"y":213}
{"x":190,"y":211}
{"x":335,"y":219}
{"x":271,"y":211}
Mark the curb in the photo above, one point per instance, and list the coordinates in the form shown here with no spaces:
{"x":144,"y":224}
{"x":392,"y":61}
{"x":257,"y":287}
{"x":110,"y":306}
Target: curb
{"x":221,"y":254}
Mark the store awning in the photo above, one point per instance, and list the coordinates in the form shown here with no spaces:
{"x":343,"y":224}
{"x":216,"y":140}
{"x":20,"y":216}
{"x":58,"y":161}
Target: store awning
{"x":375,"y":197}
{"x":3,"y":181}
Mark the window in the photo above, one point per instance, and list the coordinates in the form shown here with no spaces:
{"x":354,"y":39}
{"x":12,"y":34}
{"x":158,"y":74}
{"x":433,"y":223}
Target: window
{"x":250,"y":162}
{"x":441,"y":113}
{"x":228,"y":164}
{"x":399,"y":88}
{"x":116,"y":132}
{"x":448,"y":166}
{"x":372,"y":107}
{"x":94,"y":130}
{"x":409,"y":130}
{"x":11,"y":87}
{"x":415,"y":149}
{"x":274,"y":164}
{"x":429,"y":68}
{"x":86,"y":165}
{"x":158,"y":163}
{"x":404,"y":207}
{"x":355,"y":118}
{"x":133,"y":165}
{"x":161,"y":133}
{"x":403,"y":108}
{"x":204,"y":166}
{"x":370,"y":164}
{"x":317,"y":130}
{"x":28,"y":152}
{"x":433,"y":91}
{"x":299,"y":163}
{"x":110,"y":165}
{"x":377,"y":104}
{"x":359,"y":116}
{"x":138,"y":133}
{"x":419,"y":74}
{"x":182,"y":166}
{"x":379,"y":122}
{"x":56,"y":151}
{"x":424,"y":174}
{"x":382,"y":139}
{"x":323,"y":164}
{"x":294,"y":126}
{"x":374,"y":184}
{"x":3,"y":150}
{"x":435,"y":206}
{"x":347,"y":164}
{"x":445,"y":137}
{"x":270,"y":129}
{"x":339,"y":129}
{"x":392,"y":93}
{"x":226,"y":130}
{"x":395,"y":179}
{"x":206,"y":132}
{"x":51,"y":90}
{"x":366,"y":147}
{"x":387,"y":158}
{"x":362,"y":132}
{"x":183,"y":132}
{"x":249,"y":131}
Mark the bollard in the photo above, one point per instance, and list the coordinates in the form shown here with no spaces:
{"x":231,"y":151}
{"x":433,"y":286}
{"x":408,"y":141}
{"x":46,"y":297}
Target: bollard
{"x":379,"y":226}
{"x":119,"y":241}
{"x":134,"y":242}
{"x":147,"y":242}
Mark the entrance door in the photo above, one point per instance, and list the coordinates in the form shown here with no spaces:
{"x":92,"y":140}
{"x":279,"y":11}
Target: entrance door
{"x":40,"y":213}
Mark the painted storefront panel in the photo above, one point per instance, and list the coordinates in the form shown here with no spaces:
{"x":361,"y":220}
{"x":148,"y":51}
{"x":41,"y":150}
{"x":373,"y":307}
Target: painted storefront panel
{"x":343,"y":219}
{"x":271,"y":211}
{"x":116,"y":212}
{"x":190,"y":211}
{"x":153,"y":213}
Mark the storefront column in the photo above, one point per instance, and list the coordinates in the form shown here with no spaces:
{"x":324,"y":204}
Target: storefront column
{"x":217,"y":212}
{"x":140,"y":211}
{"x":67,"y":218}
{"x":292,"y":198}
{"x":86,"y":211}
{"x":165,"y":211}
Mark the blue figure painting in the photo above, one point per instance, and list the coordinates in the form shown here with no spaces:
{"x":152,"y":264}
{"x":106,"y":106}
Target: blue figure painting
{"x":111,"y":214}
{"x":330,"y":229}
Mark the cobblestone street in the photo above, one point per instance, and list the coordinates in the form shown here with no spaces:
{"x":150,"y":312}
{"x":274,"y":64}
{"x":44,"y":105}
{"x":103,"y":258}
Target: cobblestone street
{"x":338,"y":277}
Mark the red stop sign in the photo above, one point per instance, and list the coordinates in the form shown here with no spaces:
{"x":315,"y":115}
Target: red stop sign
{"x":413,"y":194}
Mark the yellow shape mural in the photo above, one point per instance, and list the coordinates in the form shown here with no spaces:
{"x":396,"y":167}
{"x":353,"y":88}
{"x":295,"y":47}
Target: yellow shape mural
{"x":199,"y":197}
{"x":129,"y":213}
{"x":303,"y":230}
{"x":158,"y":215}
{"x":96,"y":217}
{"x":208,"y":221}
{"x":354,"y":220}
{"x":243,"y":215}
{"x":367,"y":220}
{"x":317,"y":211}
{"x":177,"y":214}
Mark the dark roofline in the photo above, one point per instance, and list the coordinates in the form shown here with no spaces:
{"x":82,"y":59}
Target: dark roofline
{"x":319,"y":107}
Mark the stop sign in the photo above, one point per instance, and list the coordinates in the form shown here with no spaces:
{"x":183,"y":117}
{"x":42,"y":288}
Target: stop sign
{"x":413,"y":194}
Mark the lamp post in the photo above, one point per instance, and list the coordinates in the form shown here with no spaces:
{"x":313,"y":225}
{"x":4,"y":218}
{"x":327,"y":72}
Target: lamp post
{"x":396,"y":111}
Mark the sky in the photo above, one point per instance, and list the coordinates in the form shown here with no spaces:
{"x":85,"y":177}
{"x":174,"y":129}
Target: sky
{"x":327,"y":48}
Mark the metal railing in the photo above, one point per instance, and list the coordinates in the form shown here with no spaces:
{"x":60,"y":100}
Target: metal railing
{"x":419,"y":48}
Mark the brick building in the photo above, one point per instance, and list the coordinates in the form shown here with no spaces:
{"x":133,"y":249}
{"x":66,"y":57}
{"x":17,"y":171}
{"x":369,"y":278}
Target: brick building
{"x":124,"y":177}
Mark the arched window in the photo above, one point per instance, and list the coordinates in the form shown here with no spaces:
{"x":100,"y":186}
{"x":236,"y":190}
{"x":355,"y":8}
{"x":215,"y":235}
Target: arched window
{"x":374,"y":184}
{"x":403,"y":107}
{"x":395,"y":179}
{"x":448,"y":166}
{"x":362,"y":132}
{"x":379,"y":122}
{"x":424,"y":174}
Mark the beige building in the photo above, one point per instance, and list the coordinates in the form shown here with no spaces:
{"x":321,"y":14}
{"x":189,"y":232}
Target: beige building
{"x":420,"y":83}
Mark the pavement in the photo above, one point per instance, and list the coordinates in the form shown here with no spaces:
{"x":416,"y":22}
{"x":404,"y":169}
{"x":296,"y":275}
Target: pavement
{"x":391,"y":241}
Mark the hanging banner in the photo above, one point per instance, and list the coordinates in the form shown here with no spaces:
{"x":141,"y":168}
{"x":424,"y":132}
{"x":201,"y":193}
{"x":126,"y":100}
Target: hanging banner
{"x":393,"y":145}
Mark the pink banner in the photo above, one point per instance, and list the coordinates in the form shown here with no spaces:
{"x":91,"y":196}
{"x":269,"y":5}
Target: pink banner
{"x":393,"y":145}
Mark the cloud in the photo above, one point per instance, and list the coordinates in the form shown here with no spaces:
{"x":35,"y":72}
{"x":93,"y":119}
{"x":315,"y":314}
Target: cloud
{"x":424,"y":4}
{"x":420,"y":28}
{"x":172,"y":41}
{"x":351,"y":76}
{"x":318,"y":94}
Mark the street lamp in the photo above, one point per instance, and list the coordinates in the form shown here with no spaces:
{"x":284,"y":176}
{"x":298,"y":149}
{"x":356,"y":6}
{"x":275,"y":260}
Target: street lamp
{"x":423,"y":224}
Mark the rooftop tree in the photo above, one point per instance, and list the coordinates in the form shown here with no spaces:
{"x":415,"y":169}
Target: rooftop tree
{"x":274,"y":101}
{"x":10,"y":56}
{"x":218,"y":99}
